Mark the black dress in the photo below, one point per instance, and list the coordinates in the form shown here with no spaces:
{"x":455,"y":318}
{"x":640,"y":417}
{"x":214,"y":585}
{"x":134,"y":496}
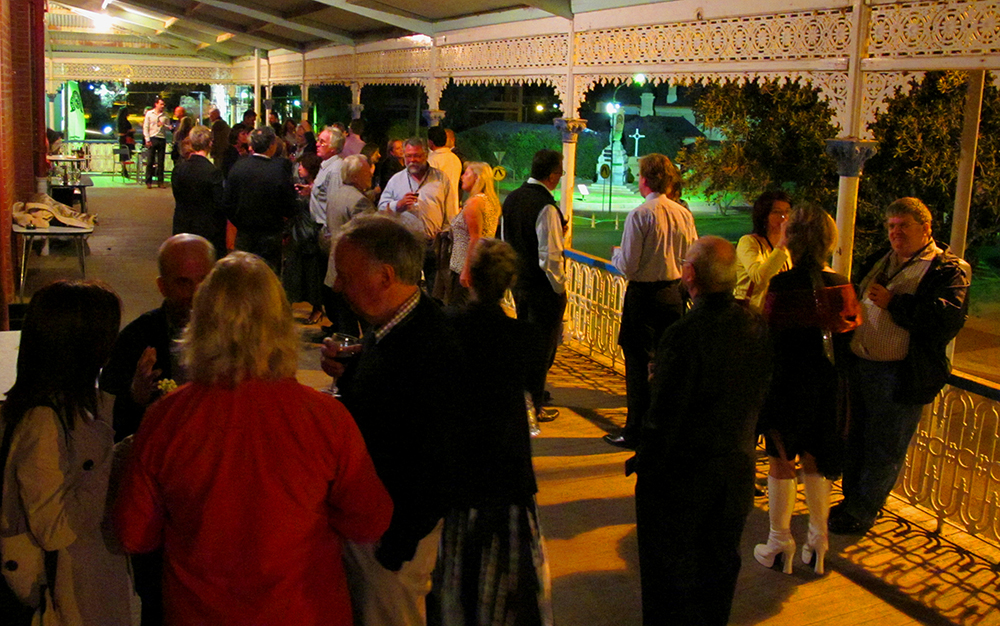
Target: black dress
{"x":804,"y":412}
{"x":492,"y":566}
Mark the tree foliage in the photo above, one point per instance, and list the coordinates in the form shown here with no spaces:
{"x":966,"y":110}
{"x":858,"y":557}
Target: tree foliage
{"x":919,"y":145}
{"x":773,"y":137}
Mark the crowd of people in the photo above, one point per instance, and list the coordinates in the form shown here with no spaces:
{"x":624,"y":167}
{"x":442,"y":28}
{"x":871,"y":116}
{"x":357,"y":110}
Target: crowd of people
{"x":409,"y":498}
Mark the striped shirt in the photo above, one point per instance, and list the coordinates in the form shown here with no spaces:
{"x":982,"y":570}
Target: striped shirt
{"x":879,"y":338}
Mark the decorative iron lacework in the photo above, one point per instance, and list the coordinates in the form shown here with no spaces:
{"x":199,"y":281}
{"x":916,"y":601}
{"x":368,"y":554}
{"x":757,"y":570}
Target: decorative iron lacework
{"x":935,"y":28}
{"x":557,"y":82}
{"x":813,"y":35}
{"x":393,"y":62}
{"x":62,"y":70}
{"x":520,"y":53}
{"x":880,"y":87}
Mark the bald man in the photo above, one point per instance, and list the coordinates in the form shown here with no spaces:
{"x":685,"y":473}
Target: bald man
{"x":142,"y":355}
{"x":696,"y":461}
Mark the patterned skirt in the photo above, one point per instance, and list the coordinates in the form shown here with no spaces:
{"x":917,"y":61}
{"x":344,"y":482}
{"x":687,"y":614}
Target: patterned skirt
{"x":492,"y":569}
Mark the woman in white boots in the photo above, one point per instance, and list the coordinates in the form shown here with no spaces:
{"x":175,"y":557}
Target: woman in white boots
{"x":810,"y":310}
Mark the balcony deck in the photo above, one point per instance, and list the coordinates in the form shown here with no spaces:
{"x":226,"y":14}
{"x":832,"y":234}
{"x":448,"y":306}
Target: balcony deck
{"x":900,"y":573}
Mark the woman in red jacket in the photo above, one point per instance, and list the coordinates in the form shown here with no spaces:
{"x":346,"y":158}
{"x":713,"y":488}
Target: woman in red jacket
{"x":249,"y":480}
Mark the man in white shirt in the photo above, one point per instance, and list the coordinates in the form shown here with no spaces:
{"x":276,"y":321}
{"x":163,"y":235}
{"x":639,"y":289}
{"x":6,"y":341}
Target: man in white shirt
{"x":419,"y":195}
{"x":154,"y":132}
{"x":657,"y":235}
{"x":442,"y":158}
{"x":534,"y":227}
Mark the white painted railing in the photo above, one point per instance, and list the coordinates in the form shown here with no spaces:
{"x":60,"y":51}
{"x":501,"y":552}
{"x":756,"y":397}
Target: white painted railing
{"x":953,"y":466}
{"x":593,"y":310}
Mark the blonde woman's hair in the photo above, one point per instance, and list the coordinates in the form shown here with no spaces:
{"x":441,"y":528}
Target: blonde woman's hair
{"x":241,"y":325}
{"x":484,"y":182}
{"x":812,"y":235}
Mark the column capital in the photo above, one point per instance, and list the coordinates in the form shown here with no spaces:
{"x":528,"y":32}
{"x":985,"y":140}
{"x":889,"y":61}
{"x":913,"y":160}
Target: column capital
{"x":434,"y":117}
{"x":356,"y":110}
{"x":851,"y":154}
{"x":269,"y":104}
{"x":570,"y":128}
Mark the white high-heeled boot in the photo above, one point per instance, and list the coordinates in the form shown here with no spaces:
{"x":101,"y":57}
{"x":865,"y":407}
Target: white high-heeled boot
{"x":780,"y":504}
{"x":818,"y":501}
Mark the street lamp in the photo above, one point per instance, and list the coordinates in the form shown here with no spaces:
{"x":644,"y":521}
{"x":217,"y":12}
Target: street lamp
{"x":613,"y":109}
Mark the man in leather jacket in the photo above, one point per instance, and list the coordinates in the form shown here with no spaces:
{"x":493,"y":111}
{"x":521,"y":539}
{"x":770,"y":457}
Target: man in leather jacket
{"x":915,"y":300}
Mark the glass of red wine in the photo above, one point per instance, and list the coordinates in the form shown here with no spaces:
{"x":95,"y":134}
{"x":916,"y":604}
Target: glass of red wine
{"x":349,"y":347}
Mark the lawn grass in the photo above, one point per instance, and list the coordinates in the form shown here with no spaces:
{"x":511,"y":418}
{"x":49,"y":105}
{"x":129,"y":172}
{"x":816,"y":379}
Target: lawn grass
{"x":597,"y":241}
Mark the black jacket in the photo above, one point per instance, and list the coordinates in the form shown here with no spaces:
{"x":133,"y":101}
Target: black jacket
{"x":402,"y":392}
{"x":260,"y":194}
{"x":933,"y":315}
{"x":198,"y":194}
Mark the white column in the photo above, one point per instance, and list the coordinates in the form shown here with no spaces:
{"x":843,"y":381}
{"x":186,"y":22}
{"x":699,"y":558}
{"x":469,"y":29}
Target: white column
{"x":256,"y":84}
{"x":851,"y":153}
{"x":851,"y":156}
{"x":570,"y":105}
{"x":356,"y":106}
{"x":967,"y":161}
{"x":570,"y":129}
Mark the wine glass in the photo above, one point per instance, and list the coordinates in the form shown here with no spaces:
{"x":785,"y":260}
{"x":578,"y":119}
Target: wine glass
{"x":349,"y":346}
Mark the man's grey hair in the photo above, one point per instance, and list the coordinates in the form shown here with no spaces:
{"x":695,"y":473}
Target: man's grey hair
{"x":385,"y":240}
{"x":352,"y":166}
{"x":261,"y":139}
{"x":200,"y":138}
{"x":419,"y":142}
{"x":337,"y":137}
{"x":714,"y":262}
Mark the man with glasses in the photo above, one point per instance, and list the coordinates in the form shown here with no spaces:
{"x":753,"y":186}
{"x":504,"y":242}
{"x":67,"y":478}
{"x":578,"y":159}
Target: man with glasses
{"x":915,"y":300}
{"x":420,"y":195}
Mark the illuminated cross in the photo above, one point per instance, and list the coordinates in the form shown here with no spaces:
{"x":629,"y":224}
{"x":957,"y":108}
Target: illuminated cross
{"x":637,"y":137}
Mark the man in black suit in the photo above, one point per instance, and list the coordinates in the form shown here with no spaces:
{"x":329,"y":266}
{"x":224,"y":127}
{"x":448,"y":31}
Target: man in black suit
{"x":259,"y":196}
{"x":402,"y":390}
{"x":198,"y":192}
{"x":696,"y":453}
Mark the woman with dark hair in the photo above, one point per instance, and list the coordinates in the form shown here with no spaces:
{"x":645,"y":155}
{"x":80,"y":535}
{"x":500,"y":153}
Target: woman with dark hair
{"x":305,"y":263}
{"x":763,"y":253}
{"x":492,"y":559}
{"x":181,"y":149}
{"x":126,"y":138}
{"x":810,"y":311}
{"x":249,"y":480}
{"x":239,"y":147}
{"x":58,"y":445}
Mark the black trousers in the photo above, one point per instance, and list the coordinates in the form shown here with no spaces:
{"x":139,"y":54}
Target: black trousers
{"x":154,"y":161}
{"x":649,"y":308}
{"x":689,"y":529}
{"x":542,"y":309}
{"x":264,"y":244}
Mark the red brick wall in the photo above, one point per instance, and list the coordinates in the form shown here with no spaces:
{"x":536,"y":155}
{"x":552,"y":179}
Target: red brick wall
{"x":20,"y":102}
